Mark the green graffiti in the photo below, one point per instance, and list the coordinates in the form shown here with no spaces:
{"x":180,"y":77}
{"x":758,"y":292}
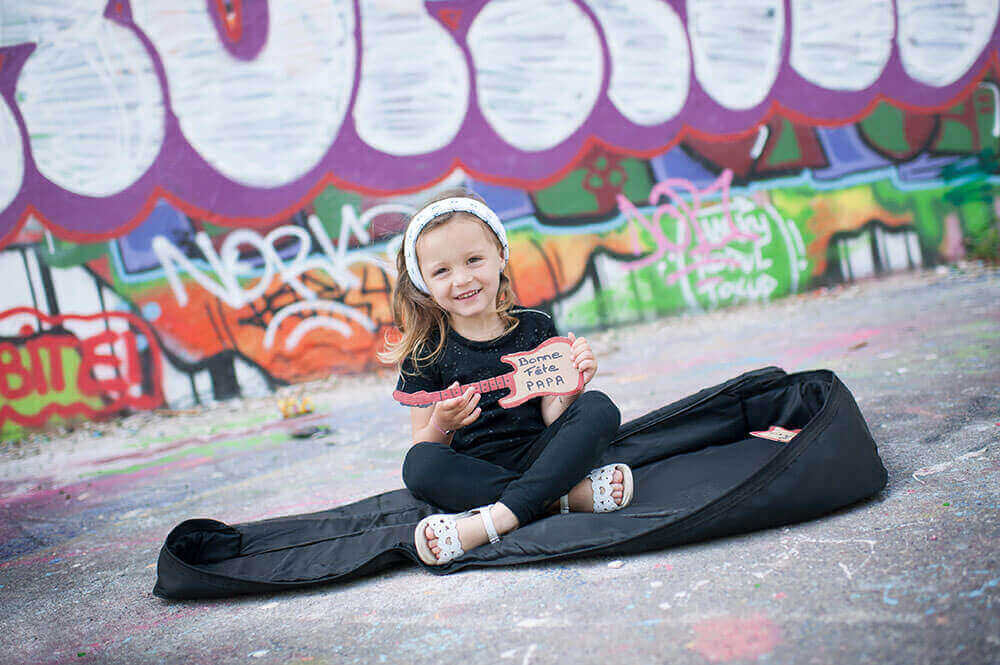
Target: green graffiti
{"x":970,"y":195}
{"x":967,"y":127}
{"x":786,"y":148}
{"x":884,"y":127}
{"x":329,"y":207}
{"x":208,"y":450}
{"x":575,"y":195}
{"x":736,"y":253}
{"x":968,"y":178}
{"x":65,"y":254}
{"x":954,"y":136}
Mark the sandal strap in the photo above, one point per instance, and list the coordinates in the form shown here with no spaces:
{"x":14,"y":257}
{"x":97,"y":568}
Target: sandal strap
{"x":600,"y":480}
{"x":564,"y":504}
{"x":491,"y":530}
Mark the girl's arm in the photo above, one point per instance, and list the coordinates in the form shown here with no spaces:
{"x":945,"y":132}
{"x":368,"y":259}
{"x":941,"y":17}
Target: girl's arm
{"x":554,"y":405}
{"x":430,"y":424}
{"x":584,"y":360}
{"x":424,"y":430}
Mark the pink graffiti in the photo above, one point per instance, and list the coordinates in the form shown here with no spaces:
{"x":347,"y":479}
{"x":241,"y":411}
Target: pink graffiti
{"x":831,"y":345}
{"x":732,"y":638}
{"x":687,"y":225}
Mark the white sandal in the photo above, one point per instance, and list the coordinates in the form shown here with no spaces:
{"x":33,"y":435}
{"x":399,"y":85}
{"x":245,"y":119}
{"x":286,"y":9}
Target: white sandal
{"x":446,"y":533}
{"x":600,"y":480}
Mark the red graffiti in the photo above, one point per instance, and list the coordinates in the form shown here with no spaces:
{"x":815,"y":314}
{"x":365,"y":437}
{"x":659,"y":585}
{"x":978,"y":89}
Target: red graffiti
{"x":232,"y":18}
{"x":450,"y":17}
{"x":110,"y":369}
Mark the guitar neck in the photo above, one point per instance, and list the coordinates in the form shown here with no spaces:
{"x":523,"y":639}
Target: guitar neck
{"x":424,"y":398}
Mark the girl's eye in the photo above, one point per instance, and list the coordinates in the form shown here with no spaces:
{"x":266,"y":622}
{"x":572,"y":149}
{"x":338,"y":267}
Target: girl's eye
{"x":476,"y":258}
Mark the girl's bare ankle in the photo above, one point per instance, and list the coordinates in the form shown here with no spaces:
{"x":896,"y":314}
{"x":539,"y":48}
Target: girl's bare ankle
{"x":503,"y":518}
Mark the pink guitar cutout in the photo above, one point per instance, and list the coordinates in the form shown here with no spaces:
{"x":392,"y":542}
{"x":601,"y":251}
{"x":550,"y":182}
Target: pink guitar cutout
{"x":545,"y":370}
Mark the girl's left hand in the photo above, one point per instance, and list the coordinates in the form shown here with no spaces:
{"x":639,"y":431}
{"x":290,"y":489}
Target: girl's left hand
{"x":583,"y":357}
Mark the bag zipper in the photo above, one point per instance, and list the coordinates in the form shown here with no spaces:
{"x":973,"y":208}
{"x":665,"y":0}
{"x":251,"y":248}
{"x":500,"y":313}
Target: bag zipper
{"x":724,"y":388}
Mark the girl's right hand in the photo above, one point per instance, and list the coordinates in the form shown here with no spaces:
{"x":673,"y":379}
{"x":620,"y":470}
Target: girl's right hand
{"x":457,"y":412}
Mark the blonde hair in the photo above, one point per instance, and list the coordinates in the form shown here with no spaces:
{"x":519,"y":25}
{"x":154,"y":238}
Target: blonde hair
{"x":421,"y":321}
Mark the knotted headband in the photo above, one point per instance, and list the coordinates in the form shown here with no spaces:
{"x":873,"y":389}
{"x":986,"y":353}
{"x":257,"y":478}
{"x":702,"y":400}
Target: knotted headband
{"x":455,"y":204}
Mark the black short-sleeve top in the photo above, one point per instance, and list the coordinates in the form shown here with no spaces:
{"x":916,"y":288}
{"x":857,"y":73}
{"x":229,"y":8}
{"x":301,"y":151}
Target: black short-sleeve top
{"x":464,"y":360}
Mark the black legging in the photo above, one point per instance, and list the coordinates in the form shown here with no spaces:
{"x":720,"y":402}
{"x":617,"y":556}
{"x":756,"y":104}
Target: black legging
{"x":548,"y":467}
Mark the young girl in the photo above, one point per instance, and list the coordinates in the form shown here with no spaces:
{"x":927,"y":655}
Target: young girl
{"x":455,"y":307}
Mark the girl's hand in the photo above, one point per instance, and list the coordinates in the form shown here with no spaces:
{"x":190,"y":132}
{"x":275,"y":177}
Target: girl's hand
{"x":583,"y":357}
{"x":457,"y":412}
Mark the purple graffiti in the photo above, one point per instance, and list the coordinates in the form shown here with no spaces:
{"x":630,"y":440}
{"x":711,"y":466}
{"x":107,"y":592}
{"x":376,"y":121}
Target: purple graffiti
{"x":514,"y":102}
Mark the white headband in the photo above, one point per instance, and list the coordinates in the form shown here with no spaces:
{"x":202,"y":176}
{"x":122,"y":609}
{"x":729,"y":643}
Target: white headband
{"x":456,"y":204}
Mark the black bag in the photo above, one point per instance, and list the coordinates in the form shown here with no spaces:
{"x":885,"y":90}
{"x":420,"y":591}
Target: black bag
{"x":698,"y":474}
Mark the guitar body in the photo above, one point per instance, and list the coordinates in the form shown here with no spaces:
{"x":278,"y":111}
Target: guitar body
{"x":547,"y":369}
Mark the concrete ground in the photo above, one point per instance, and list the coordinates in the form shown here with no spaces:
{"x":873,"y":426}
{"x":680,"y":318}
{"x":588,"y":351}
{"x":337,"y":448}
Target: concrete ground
{"x":911,"y":576}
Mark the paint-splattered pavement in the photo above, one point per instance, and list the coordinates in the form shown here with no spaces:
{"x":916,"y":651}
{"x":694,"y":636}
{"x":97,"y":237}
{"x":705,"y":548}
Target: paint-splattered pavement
{"x":912,"y":576}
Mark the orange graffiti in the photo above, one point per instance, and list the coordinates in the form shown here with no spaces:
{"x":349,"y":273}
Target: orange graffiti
{"x":205,"y":326}
{"x":544,"y":270}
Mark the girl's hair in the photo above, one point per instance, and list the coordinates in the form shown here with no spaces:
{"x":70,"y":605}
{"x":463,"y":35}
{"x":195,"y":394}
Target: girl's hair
{"x":420,"y":320}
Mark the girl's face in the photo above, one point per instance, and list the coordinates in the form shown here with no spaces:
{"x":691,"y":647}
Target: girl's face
{"x":460,"y":264}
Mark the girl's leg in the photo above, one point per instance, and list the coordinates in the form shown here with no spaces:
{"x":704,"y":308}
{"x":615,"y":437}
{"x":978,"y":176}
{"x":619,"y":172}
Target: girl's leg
{"x":440,"y":475}
{"x":562,"y":455}
{"x":457,"y":482}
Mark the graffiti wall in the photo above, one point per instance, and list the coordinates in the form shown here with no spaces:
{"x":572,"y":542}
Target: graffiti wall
{"x":203,"y":199}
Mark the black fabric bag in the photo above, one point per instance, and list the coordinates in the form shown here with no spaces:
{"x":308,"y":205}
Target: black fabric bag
{"x":698,"y":474}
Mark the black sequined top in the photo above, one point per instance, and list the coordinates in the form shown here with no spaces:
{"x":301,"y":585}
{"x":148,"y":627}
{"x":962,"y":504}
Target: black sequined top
{"x":466,"y":361}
